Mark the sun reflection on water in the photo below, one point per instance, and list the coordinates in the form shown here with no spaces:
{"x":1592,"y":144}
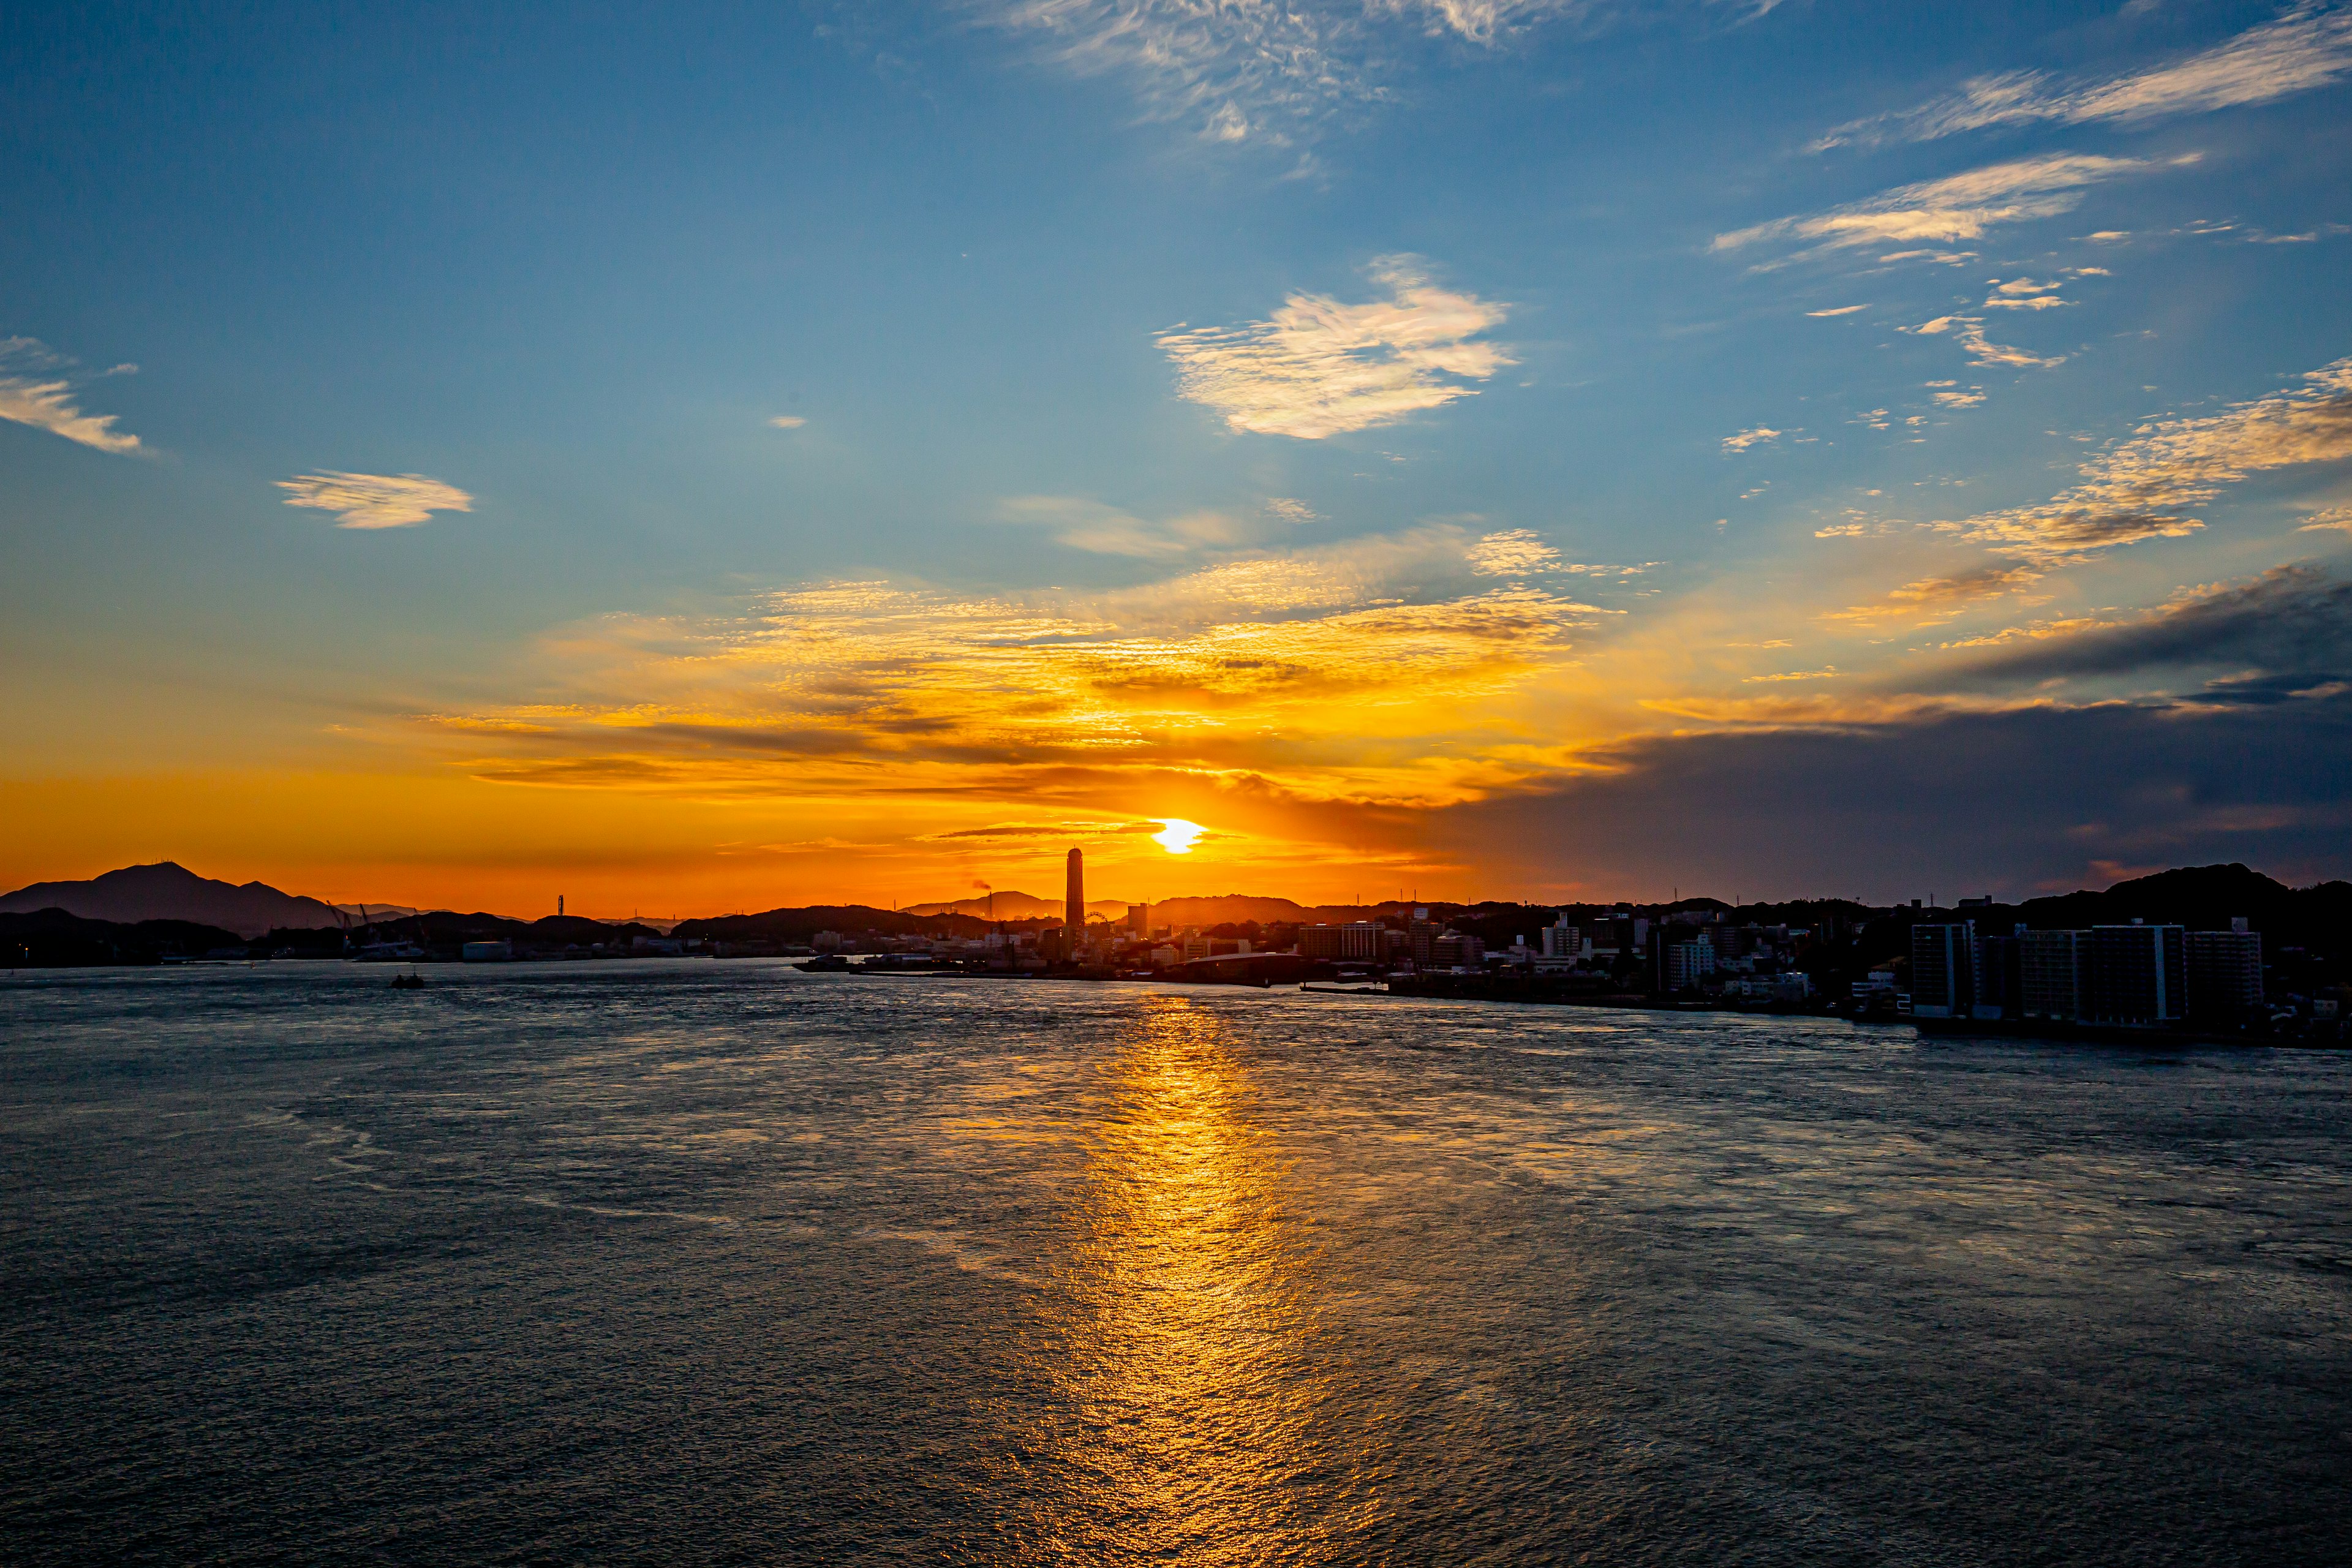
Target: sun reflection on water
{"x":1192,"y":1379}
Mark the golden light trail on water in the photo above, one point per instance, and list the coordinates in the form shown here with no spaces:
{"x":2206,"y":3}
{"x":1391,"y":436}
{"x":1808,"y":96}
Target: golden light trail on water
{"x":1194,"y":1347}
{"x":1177,"y":835}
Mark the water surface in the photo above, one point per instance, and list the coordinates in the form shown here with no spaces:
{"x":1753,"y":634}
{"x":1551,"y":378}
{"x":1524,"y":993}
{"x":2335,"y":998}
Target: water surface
{"x":695,"y":1262}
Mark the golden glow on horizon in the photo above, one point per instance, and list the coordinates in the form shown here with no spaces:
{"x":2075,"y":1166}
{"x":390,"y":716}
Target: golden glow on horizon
{"x":1177,"y":835}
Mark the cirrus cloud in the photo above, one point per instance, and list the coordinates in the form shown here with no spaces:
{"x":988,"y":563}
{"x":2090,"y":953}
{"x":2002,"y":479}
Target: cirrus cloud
{"x":44,"y":400}
{"x":1957,"y":207}
{"x":375,"y":500}
{"x":2145,"y":487}
{"x":2309,"y":46}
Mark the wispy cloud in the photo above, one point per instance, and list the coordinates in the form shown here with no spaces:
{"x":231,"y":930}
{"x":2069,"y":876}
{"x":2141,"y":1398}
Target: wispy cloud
{"x":788,"y":422}
{"x":1931,"y":601}
{"x":375,"y":500}
{"x":1320,"y":368}
{"x":1747,"y":438}
{"x":2309,"y":46}
{"x":2146,"y":487}
{"x":2024,"y":294}
{"x":33,"y":392}
{"x":1839,"y":311}
{"x":1969,"y":330}
{"x":1516,"y":553}
{"x":1255,"y":70}
{"x":1957,"y":207}
{"x":1090,"y":525}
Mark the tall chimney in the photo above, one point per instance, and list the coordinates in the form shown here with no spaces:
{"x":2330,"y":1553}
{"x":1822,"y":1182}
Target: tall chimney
{"x":1075,"y":915}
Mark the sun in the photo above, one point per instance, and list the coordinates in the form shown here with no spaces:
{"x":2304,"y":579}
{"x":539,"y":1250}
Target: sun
{"x":1177,"y":835}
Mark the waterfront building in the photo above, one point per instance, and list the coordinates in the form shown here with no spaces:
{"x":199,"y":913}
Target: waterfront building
{"x":1562,"y":940}
{"x":1358,"y":940}
{"x":1943,"y":970}
{"x":2138,"y":974}
{"x":2054,"y":975}
{"x":2001,"y":976}
{"x":1688,"y":963}
{"x":1139,"y":919}
{"x":1073,"y":909}
{"x":2225,"y":976}
{"x":1454,"y":950}
{"x":1422,"y":935}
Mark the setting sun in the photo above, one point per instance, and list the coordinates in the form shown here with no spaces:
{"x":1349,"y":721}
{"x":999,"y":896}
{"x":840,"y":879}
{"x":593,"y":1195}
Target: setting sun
{"x":1177,"y":835}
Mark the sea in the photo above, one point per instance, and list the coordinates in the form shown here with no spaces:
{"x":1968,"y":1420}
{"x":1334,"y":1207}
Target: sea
{"x":680,"y":1262}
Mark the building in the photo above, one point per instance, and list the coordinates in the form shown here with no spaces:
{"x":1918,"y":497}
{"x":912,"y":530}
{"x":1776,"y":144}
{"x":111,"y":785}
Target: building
{"x":1423,"y":934}
{"x":2225,"y":976}
{"x":498,"y":951}
{"x":1073,"y":907}
{"x":2054,"y":971}
{"x":2001,"y":976}
{"x":1943,"y":970}
{"x":1562,"y":940}
{"x":1454,"y":950}
{"x":1139,"y":919}
{"x":1688,"y":963}
{"x":2138,"y":974}
{"x":1356,"y":942}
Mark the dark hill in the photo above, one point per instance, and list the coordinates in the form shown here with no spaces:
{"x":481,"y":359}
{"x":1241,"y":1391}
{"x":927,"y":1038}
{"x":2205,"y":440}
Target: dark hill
{"x":46,"y":939}
{"x":2206,"y":897}
{"x":799,"y":925}
{"x":167,"y":891}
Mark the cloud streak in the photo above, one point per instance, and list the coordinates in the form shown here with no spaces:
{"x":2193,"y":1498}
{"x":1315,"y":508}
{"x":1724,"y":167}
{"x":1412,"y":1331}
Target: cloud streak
{"x":1318,"y":674}
{"x":2145,"y":488}
{"x":1254,"y":70}
{"x":2295,"y":619}
{"x":2309,"y":46}
{"x":1319,"y":368}
{"x":375,"y":500}
{"x":44,"y":401}
{"x":1090,"y":525}
{"x":1957,"y":207}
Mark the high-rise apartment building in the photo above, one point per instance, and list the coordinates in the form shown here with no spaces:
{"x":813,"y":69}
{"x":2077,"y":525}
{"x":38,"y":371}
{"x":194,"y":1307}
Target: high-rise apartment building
{"x":1074,"y":913}
{"x":1943,"y":970}
{"x":2225,"y":976}
{"x":2054,"y":974}
{"x":2138,"y":974}
{"x":1561,"y":940}
{"x":1423,"y":933}
{"x":1688,"y":963}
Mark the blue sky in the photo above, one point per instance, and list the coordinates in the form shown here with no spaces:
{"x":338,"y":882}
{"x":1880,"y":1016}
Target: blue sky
{"x":1370,"y":421}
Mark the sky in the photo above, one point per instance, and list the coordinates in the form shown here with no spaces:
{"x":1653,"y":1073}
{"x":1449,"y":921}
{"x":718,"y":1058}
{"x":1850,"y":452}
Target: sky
{"x":711,"y":457}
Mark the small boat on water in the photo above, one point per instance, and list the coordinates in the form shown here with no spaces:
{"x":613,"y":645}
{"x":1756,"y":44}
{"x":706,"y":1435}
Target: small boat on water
{"x":412,"y":981}
{"x":824,"y":963}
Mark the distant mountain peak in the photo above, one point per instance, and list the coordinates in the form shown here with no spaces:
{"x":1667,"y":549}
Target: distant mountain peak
{"x":167,"y":890}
